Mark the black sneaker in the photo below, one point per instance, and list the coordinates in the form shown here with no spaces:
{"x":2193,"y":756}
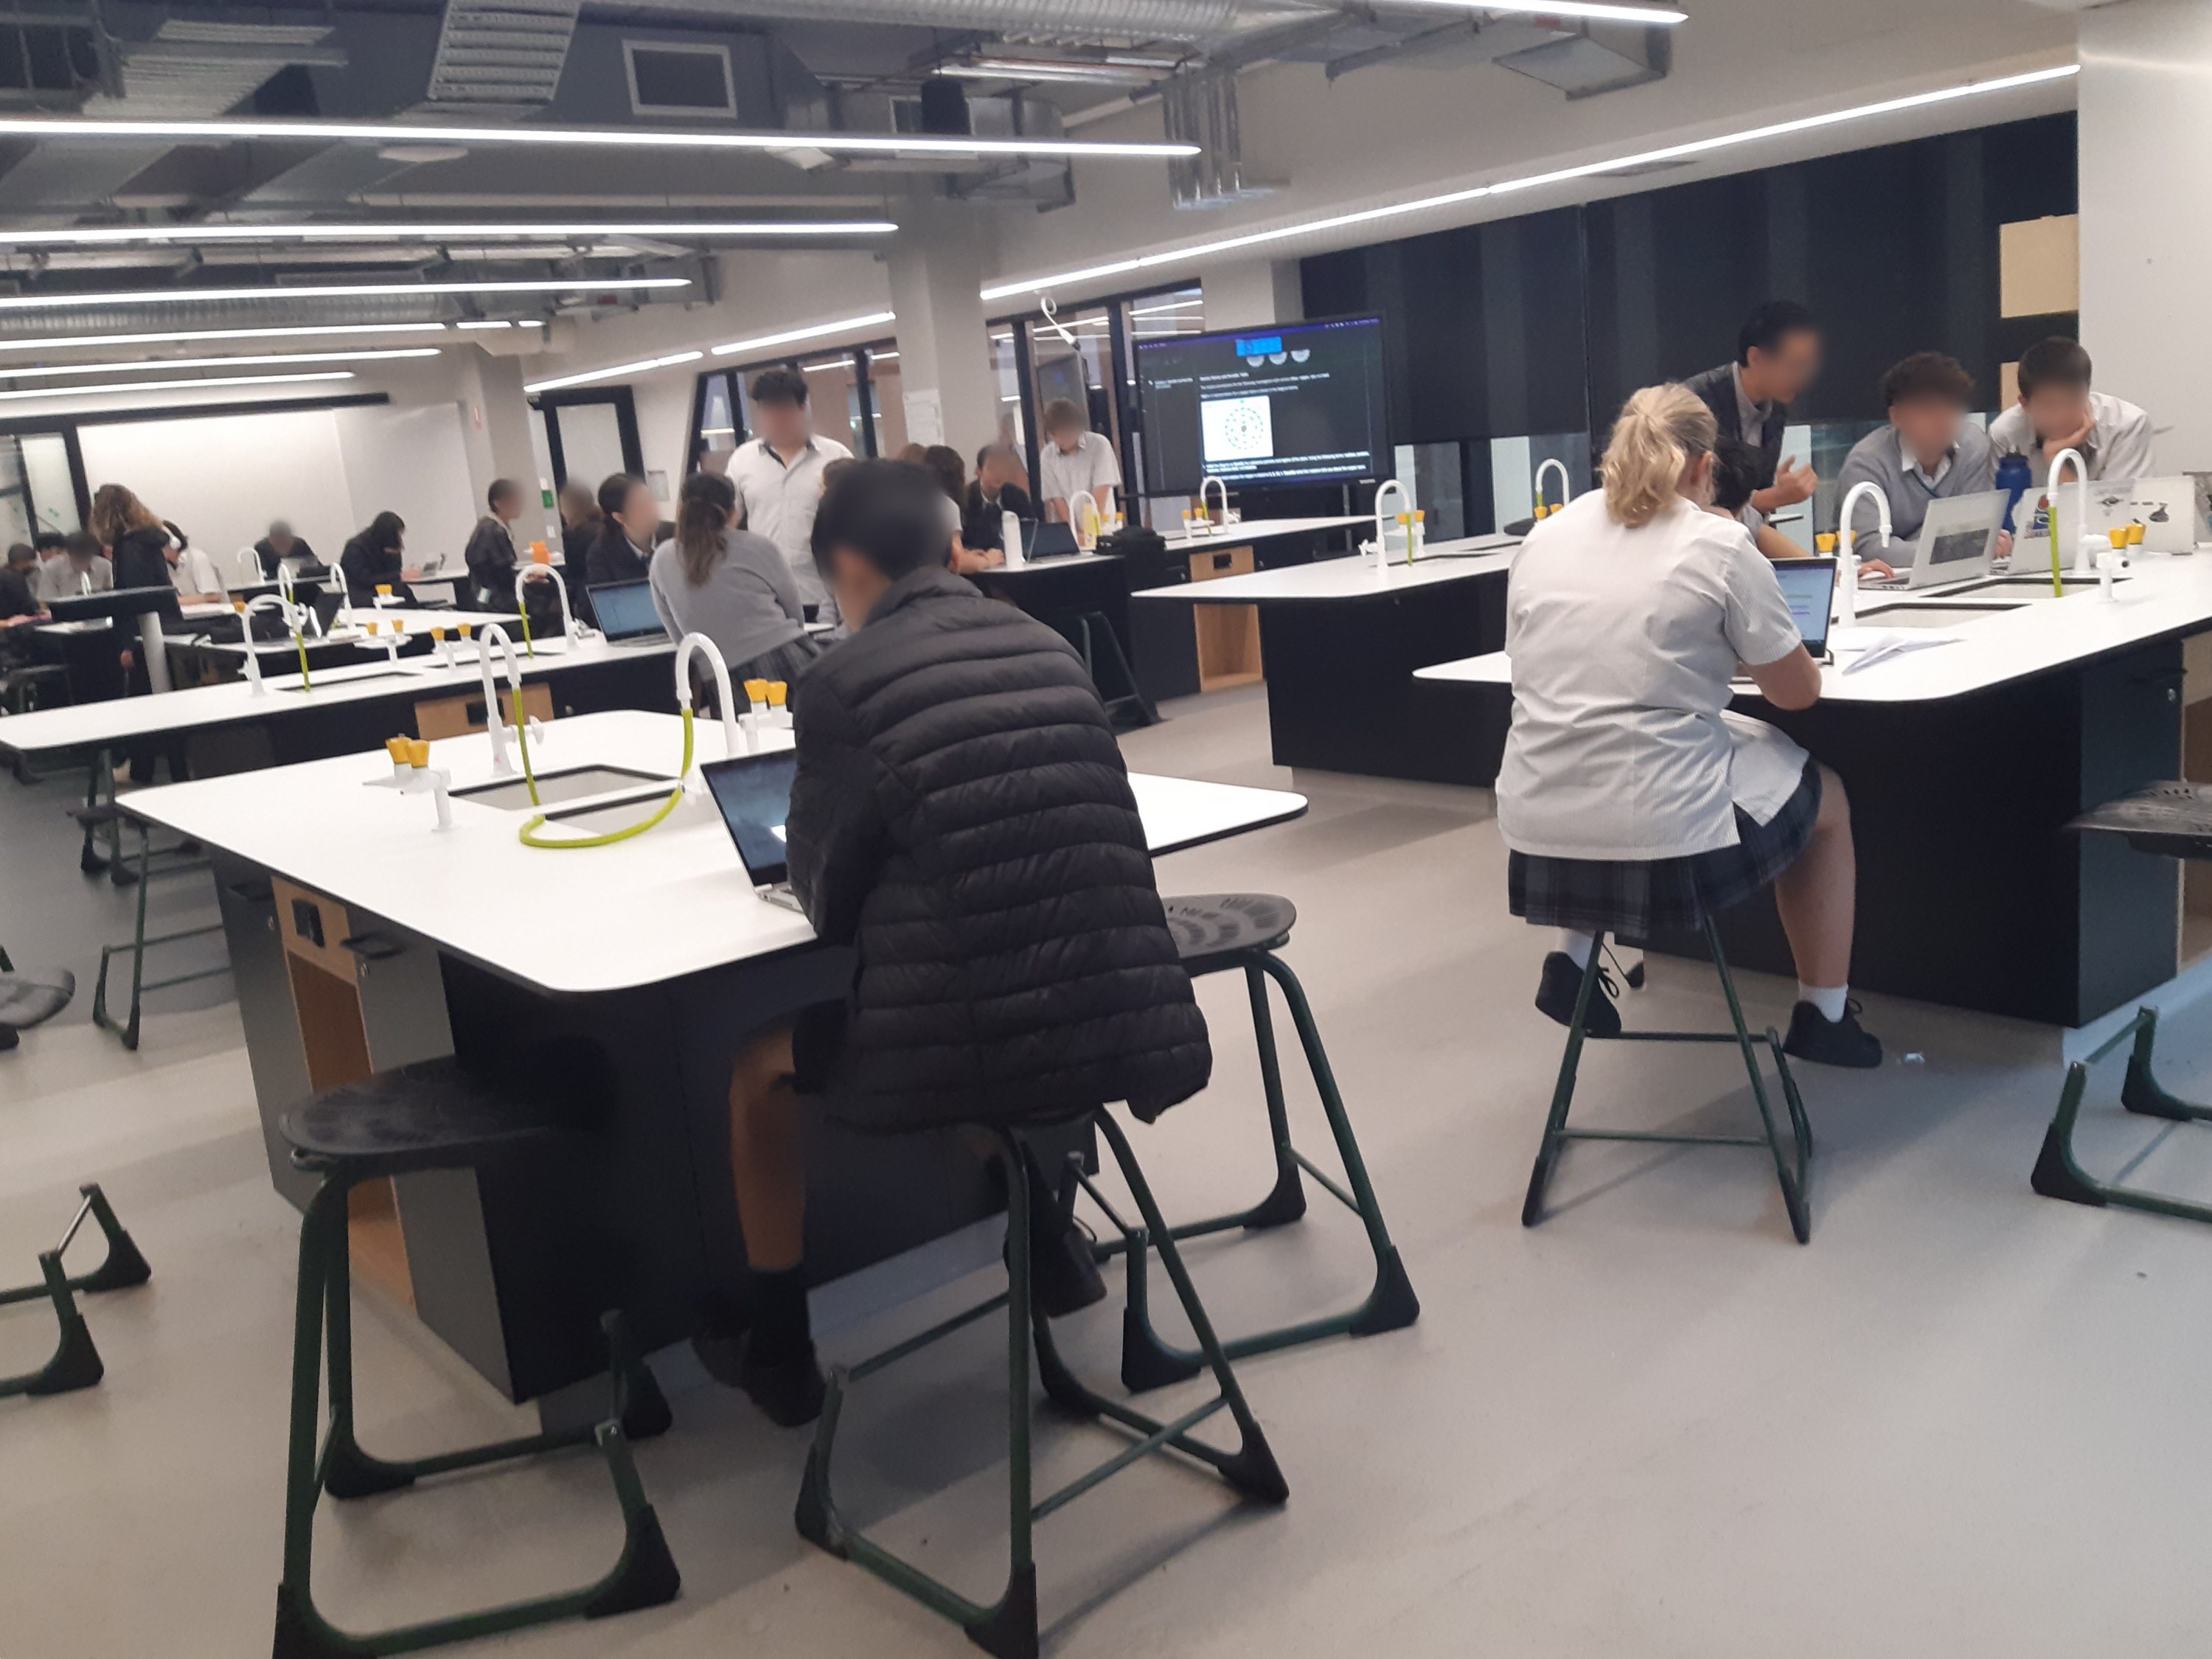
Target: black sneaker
{"x":788,"y":1392}
{"x":1064,"y":1276}
{"x":1824,"y":1041}
{"x":1563,"y":982}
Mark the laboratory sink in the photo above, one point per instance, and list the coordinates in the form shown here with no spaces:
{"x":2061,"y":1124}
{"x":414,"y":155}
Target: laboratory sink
{"x":575,"y":783}
{"x":1932,"y":616}
{"x":2034,"y":586}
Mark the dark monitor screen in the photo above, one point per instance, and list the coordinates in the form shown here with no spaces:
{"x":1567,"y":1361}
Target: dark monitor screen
{"x":1291,"y":403}
{"x":625,"y":611}
{"x":753,"y":793}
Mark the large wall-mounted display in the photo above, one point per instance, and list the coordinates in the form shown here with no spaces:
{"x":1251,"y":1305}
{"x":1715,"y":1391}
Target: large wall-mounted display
{"x":1289,"y":403}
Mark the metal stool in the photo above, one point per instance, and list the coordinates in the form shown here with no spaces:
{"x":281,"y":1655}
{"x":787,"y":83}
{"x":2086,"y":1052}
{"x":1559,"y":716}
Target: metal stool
{"x":2171,"y":820}
{"x":1215,"y":932}
{"x":430,"y":1116}
{"x":1008,"y":1627}
{"x":76,"y":1363}
{"x":138,"y":944}
{"x":1793,"y":1159}
{"x":28,"y":1000}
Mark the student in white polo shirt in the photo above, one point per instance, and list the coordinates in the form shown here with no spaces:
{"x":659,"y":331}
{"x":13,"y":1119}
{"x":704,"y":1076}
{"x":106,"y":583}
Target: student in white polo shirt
{"x":2058,"y":410}
{"x":1629,"y":799}
{"x":778,"y":473}
{"x":1073,"y":458}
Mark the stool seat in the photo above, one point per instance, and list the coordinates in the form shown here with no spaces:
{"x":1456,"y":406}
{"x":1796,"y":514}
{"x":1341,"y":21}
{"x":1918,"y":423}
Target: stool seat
{"x":431,"y":1115}
{"x":1211,"y":930}
{"x":2174,"y":818}
{"x":26,"y":999}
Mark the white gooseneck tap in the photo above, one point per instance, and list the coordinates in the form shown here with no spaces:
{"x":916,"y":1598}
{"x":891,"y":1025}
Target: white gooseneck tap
{"x":1847,"y":561}
{"x":725,"y":696}
{"x":2081,"y":507}
{"x":1566,"y":483}
{"x":247,"y":563}
{"x":264,"y":602}
{"x":1382,"y":535}
{"x":500,"y":766}
{"x":569,"y":629}
{"x":1210,"y":482}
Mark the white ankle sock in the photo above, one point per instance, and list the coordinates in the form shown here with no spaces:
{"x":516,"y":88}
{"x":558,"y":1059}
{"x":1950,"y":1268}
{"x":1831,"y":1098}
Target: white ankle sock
{"x":1577,"y":945}
{"x":1830,"y":999}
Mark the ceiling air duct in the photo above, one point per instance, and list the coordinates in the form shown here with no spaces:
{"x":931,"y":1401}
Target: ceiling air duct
{"x":1198,"y":107}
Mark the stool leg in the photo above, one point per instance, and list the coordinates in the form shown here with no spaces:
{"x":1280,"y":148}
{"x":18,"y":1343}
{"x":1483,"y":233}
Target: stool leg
{"x":1287,"y":1202}
{"x":301,"y":1631}
{"x":1790,"y":1176}
{"x":1563,"y":1093}
{"x":87,"y":860}
{"x":2140,"y":1091}
{"x":75,"y":1362}
{"x":1391,"y":1304}
{"x":348,"y":1471}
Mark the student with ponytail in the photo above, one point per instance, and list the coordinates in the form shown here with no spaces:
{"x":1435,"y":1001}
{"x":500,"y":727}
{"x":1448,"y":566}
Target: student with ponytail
{"x":1632,"y":802}
{"x":735,"y":587}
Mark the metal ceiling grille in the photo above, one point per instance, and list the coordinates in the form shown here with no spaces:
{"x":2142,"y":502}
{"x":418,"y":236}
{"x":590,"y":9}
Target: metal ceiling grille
{"x":509,"y":52}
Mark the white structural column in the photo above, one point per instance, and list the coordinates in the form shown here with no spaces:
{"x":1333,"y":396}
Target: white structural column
{"x":2145,"y":111}
{"x":945,"y":368}
{"x":495,"y":417}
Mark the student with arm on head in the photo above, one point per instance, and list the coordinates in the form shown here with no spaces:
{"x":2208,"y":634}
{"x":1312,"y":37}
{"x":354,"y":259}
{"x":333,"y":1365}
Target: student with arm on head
{"x":985,"y":861}
{"x":1777,"y":356}
{"x":1930,"y":451}
{"x":376,"y":558}
{"x":1075,"y":458}
{"x":779,"y":475}
{"x":2059,"y":410}
{"x":735,"y":587}
{"x":1628,"y":797}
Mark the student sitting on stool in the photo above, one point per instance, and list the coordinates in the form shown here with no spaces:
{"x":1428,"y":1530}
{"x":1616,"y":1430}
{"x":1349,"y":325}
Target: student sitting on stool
{"x":962,"y":819}
{"x":1626,"y":791}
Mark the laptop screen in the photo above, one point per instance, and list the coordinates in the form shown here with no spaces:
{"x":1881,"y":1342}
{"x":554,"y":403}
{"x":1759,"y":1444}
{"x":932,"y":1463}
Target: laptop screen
{"x":625,"y":611}
{"x":1809,"y":586}
{"x":753,"y":793}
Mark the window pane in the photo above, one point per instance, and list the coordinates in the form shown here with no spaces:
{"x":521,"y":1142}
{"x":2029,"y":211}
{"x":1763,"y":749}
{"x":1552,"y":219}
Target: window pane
{"x":1513,"y":464}
{"x":833,"y":393}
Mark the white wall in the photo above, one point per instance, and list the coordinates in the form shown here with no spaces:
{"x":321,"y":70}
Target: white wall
{"x":223,"y":478}
{"x":2146,"y":112}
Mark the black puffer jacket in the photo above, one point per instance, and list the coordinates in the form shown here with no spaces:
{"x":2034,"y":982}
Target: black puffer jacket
{"x":962,"y":816}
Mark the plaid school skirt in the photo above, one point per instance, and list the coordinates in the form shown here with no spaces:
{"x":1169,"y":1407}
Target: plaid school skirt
{"x":1638,"y":901}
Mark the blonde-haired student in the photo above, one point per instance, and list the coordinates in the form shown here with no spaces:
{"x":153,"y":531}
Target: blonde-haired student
{"x":1630,"y":801}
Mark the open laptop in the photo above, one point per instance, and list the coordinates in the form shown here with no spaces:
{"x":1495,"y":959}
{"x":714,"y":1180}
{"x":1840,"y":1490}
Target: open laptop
{"x":2165,"y":508}
{"x":1808,"y":586}
{"x":1956,"y":543}
{"x":753,"y":793}
{"x":1045,"y":540}
{"x":625,"y":613}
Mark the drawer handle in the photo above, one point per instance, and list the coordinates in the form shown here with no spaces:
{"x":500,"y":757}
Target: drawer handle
{"x":307,"y":920}
{"x":1222,"y":561}
{"x":372,"y":946}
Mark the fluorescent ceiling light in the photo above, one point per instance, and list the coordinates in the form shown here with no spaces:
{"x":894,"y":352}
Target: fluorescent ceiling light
{"x":327,"y":291}
{"x":502,"y":324}
{"x":1015,"y":68}
{"x":145,"y":363}
{"x":77,"y":128}
{"x":51,"y":391}
{"x":59,"y":342}
{"x":829,"y":367}
{"x":815,"y":332}
{"x":883,"y":356}
{"x":1588,"y":170}
{"x":638,"y":368}
{"x":1602,"y":10}
{"x":105,"y":235}
{"x":1165,"y":310}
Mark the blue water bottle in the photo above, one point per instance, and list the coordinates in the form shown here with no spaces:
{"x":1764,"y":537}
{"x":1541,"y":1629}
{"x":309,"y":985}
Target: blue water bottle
{"x":2014,"y":477}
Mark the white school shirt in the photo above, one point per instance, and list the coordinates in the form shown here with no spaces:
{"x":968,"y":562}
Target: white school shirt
{"x":1060,"y":475}
{"x":2118,"y":446}
{"x":1623,"y":643}
{"x":781,"y":501}
{"x":195,"y":572}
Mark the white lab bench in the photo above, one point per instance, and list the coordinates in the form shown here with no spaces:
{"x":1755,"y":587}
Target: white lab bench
{"x":1964,"y":761}
{"x":363,"y":937}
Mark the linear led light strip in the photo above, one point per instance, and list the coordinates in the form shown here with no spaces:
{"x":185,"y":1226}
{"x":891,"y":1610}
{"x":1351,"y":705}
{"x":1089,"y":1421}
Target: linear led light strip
{"x":60,"y":341}
{"x":103,"y":235}
{"x":329,"y":291}
{"x":170,"y":386}
{"x":814,"y":331}
{"x":1588,"y":170}
{"x":520,"y":322}
{"x":215,"y":362}
{"x":639,"y":367}
{"x":391,"y":132}
{"x":1602,"y":10}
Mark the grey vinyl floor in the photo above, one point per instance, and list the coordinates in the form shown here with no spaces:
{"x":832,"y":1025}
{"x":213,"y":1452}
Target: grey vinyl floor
{"x":1964,"y":1421}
